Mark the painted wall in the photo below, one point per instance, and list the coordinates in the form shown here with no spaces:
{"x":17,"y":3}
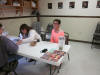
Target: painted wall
{"x":77,"y":11}
{"x":12,"y":25}
{"x":78,"y":28}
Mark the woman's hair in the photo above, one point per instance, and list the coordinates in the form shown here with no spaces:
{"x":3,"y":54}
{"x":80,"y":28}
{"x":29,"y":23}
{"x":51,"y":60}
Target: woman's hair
{"x":58,"y":20}
{"x":25,"y":26}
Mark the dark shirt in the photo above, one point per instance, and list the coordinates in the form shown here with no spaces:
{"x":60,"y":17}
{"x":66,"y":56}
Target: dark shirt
{"x":6,"y":46}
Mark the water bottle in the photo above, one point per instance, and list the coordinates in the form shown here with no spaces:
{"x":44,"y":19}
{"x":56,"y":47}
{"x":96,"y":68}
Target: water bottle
{"x":61,"y":42}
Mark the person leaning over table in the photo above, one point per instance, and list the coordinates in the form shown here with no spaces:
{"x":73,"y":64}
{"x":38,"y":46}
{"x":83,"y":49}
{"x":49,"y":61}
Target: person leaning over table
{"x":27,"y":35}
{"x":56,"y":31}
{"x":2,"y":33}
{"x":6,"y":47}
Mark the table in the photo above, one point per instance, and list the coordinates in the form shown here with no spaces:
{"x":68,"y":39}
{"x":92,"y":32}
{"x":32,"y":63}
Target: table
{"x":34,"y":52}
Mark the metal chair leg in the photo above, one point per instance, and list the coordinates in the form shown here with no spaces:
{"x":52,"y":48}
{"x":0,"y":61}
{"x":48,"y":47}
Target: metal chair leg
{"x":68,"y":56}
{"x":92,"y":43}
{"x":59,"y":68}
{"x":15,"y":73}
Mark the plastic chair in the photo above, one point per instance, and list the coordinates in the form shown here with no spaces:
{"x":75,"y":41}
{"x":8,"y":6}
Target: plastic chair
{"x":67,"y":41}
{"x":66,"y":38}
{"x":11,"y":65}
{"x":37,"y":26}
{"x":96,"y":35}
{"x":48,"y":32}
{"x":45,"y":35}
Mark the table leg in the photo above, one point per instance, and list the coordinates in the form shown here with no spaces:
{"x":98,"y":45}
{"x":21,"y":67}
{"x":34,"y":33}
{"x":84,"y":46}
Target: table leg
{"x":50,"y":69}
{"x":68,"y":56}
{"x":59,"y":68}
{"x":54,"y":68}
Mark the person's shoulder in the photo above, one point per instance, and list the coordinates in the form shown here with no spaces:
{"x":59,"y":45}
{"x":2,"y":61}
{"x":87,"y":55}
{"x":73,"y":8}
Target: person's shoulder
{"x":32,"y":31}
{"x":3,"y":37}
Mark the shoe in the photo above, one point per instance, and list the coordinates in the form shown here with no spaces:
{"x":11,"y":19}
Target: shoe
{"x":32,"y":60}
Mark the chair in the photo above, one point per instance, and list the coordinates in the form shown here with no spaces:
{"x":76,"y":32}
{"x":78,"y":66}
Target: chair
{"x":67,"y":42}
{"x":11,"y":65}
{"x":45,"y":35}
{"x":48,"y":32}
{"x":66,"y":38}
{"x":37,"y":27}
{"x":96,"y":35}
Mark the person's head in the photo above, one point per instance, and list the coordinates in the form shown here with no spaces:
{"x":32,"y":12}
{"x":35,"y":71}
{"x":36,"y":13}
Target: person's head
{"x":1,"y":28}
{"x":24,"y":29}
{"x":56,"y":23}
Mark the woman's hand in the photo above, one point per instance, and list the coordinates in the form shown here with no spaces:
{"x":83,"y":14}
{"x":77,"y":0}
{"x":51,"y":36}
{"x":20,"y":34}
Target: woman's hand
{"x":19,"y":42}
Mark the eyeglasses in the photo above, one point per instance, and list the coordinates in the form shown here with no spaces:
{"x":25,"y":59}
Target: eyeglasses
{"x":55,"y":23}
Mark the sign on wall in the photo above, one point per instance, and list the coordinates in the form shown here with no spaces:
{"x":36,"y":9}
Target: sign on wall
{"x":71,"y":4}
{"x":85,"y":4}
{"x":98,"y":4}
{"x":60,"y":5}
{"x":49,"y":5}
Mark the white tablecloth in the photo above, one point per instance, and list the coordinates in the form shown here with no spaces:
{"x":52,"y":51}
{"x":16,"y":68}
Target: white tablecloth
{"x":35,"y":51}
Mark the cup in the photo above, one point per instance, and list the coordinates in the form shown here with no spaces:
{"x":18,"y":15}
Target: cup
{"x":33,"y":43}
{"x":61,"y":42}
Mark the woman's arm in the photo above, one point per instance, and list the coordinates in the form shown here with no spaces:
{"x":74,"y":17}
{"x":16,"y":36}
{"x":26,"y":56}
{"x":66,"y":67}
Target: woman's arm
{"x":38,"y":37}
{"x":32,"y":36}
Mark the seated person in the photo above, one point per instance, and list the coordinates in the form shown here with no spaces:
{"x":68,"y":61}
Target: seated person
{"x":2,"y":30}
{"x":27,"y":34}
{"x":56,"y":31}
{"x":6,"y":47}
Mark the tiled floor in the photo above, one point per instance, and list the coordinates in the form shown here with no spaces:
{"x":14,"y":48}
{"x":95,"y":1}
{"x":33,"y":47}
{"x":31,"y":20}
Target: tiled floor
{"x":83,"y":61}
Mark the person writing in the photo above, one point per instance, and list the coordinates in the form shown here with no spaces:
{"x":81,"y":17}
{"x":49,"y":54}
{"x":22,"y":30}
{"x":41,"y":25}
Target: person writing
{"x":2,"y":33}
{"x":56,"y":31}
{"x":6,"y":47}
{"x":27,"y":34}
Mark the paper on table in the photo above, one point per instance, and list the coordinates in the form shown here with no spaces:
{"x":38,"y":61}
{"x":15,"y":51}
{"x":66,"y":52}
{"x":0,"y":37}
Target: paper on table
{"x":52,"y":50}
{"x":54,"y":56}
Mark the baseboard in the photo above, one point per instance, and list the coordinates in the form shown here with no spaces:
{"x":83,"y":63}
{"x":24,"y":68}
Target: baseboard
{"x":80,"y":41}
